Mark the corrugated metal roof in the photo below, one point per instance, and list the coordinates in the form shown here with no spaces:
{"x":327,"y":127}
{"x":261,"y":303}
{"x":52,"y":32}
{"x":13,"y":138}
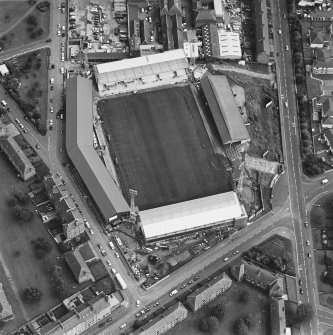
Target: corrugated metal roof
{"x":224,"y":109}
{"x":79,"y":144}
{"x":189,"y":215}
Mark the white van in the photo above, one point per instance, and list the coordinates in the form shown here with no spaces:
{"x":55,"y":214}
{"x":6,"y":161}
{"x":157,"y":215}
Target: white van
{"x":324,"y":181}
{"x":4,"y":103}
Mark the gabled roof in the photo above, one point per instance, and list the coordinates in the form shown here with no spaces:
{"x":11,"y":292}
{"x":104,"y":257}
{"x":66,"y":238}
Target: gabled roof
{"x":204,"y":16}
{"x":316,"y":37}
{"x":222,"y":281}
{"x":163,"y":321}
{"x":327,"y":106}
{"x":210,"y":40}
{"x":224,"y":109}
{"x":78,"y":266}
{"x":278,"y":317}
{"x":79,"y":145}
{"x":144,"y":28}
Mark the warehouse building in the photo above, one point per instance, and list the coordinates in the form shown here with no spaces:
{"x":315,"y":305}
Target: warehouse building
{"x":132,"y":75}
{"x":79,"y":145}
{"x":224,"y":109}
{"x":184,"y":217}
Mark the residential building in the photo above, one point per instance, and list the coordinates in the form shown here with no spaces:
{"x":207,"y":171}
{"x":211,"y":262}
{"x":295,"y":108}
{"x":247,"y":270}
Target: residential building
{"x":14,"y":153}
{"x":164,"y":322}
{"x":224,"y":109}
{"x":322,"y":67}
{"x":171,"y":24}
{"x":209,"y":291}
{"x":78,"y":260}
{"x":3,"y":69}
{"x":254,"y":275}
{"x":70,"y":217}
{"x":278,"y":317}
{"x":316,"y":38}
{"x":6,"y":312}
{"x":325,"y":107}
{"x":262,"y":31}
{"x":81,"y":316}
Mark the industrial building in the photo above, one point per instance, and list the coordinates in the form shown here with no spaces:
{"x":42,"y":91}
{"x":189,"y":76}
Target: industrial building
{"x":224,"y":109}
{"x":79,"y":145}
{"x":184,"y":217}
{"x":132,"y":75}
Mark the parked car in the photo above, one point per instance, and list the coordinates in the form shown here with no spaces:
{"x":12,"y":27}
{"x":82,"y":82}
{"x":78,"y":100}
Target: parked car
{"x":122,"y":326}
{"x":117,"y":255}
{"x":91,"y":231}
{"x":108,"y":262}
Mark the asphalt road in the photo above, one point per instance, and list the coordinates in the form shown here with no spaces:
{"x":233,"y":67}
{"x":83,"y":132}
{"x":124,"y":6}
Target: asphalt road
{"x":288,"y":219}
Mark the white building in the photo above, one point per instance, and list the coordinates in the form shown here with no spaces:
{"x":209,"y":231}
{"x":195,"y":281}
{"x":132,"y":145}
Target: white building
{"x":134,"y":74}
{"x":3,"y":70}
{"x":229,"y":44}
{"x":187,"y":216}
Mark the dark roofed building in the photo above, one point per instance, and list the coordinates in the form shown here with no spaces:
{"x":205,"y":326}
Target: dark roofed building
{"x":78,"y":266}
{"x":79,"y":145}
{"x":261,"y":31}
{"x":224,"y":109}
{"x":204,"y":16}
{"x":210,"y":40}
{"x":254,"y":275}
{"x":278,"y":316}
{"x":316,"y":38}
{"x":70,"y":217}
{"x":165,"y":321}
{"x":14,"y":153}
{"x":144,"y":28}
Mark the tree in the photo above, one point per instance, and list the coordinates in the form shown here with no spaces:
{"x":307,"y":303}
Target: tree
{"x":218,"y":311}
{"x":244,"y":296}
{"x":241,"y":328}
{"x":21,"y":196}
{"x":17,"y":210}
{"x":304,"y":312}
{"x":26,"y":215}
{"x":250,"y":320}
{"x":329,"y":278}
{"x":57,"y":280}
{"x":300,"y":79}
{"x":138,"y":323}
{"x":42,"y":247}
{"x":209,"y":324}
{"x":32,"y":294}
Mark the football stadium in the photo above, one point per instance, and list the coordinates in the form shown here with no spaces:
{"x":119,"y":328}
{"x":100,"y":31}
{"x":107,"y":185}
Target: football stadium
{"x":161,"y":149}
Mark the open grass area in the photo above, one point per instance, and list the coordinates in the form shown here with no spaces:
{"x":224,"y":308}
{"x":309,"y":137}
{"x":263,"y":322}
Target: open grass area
{"x":31,"y":70}
{"x":162,"y":148}
{"x":14,"y":28}
{"x":20,"y":268}
{"x":234,"y":310}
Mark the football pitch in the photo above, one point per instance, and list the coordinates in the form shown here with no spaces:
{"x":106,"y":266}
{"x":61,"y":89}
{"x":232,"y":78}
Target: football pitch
{"x":162,"y":148}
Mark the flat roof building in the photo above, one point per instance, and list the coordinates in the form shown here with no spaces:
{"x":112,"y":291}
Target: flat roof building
{"x":79,"y":145}
{"x":224,"y":109}
{"x":209,"y":291}
{"x":166,"y":221}
{"x":229,"y":45}
{"x":6,"y":311}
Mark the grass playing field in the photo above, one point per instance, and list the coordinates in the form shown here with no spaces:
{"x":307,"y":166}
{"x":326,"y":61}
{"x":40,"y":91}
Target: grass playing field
{"x":162,"y":148}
